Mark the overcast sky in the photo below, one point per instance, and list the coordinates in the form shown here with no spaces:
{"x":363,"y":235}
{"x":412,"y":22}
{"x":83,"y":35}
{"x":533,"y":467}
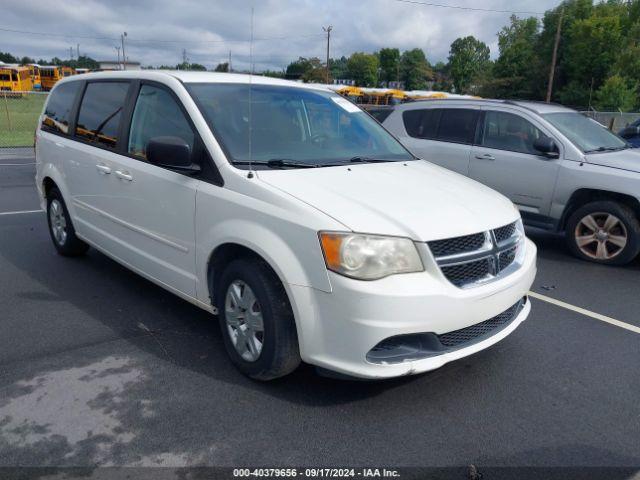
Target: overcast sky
{"x":158,"y":30}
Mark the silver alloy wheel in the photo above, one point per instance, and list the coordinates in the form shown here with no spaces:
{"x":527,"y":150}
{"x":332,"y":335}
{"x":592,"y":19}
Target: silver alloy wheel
{"x":58,"y":222}
{"x":243,"y":316}
{"x":601,"y":236}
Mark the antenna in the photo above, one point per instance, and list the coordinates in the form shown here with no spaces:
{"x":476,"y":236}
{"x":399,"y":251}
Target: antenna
{"x":250,"y":175}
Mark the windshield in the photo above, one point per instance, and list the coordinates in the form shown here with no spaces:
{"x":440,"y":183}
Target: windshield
{"x":295,"y":125}
{"x":585,"y":133}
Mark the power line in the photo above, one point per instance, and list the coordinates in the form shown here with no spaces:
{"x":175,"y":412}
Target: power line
{"x":475,"y":9}
{"x":57,"y":34}
{"x":154,"y":40}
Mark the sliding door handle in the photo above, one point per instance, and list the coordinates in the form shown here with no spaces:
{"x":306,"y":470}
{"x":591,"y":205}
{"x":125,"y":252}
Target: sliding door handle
{"x":485,"y":156}
{"x":103,"y":169}
{"x":123,"y":175}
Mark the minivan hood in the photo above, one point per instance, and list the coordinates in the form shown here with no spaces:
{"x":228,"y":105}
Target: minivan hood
{"x":413,"y":199}
{"x":628,"y":159}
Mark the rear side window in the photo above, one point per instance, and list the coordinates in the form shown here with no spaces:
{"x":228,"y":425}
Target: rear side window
{"x":380,"y":114}
{"x":457,"y":125}
{"x":422,"y":123}
{"x":57,"y":114}
{"x":101,"y":113}
{"x":157,"y":115}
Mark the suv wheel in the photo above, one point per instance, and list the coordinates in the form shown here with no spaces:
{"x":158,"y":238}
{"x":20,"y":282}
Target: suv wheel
{"x":256,"y":320}
{"x":604,"y":232}
{"x":60,"y":227}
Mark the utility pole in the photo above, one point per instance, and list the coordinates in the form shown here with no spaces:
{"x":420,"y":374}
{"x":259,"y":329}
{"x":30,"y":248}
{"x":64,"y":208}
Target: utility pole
{"x":328,"y":30}
{"x":118,"y":49}
{"x":229,"y":64}
{"x":184,"y":58}
{"x":554,"y":57}
{"x":124,"y":58}
{"x":71,"y":53}
{"x":78,"y":50}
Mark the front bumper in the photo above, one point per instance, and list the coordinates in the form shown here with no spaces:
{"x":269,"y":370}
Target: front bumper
{"x":337,"y":330}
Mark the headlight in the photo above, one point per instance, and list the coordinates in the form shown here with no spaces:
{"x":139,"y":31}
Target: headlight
{"x":369,"y":257}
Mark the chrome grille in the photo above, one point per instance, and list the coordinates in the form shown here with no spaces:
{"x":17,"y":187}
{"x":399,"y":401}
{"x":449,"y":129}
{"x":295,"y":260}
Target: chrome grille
{"x":453,"y":246}
{"x":461,"y":274}
{"x":507,"y":257}
{"x":504,"y":233}
{"x":477,"y":258}
{"x":479,"y":330}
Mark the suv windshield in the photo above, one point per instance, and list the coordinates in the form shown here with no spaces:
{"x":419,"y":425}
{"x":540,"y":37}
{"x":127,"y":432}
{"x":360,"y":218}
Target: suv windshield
{"x":292,"y":127}
{"x":587,"y":134}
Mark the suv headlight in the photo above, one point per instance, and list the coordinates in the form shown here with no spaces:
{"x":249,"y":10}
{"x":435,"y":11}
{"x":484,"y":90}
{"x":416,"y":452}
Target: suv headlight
{"x":369,"y":257}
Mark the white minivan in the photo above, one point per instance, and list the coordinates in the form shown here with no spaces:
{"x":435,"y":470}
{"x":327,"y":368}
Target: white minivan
{"x":283,"y":208}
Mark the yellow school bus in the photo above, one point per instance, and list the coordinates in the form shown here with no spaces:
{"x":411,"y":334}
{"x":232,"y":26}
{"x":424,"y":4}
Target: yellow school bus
{"x":49,"y":74}
{"x":67,"y":71}
{"x":34,"y":71}
{"x":15,"y":79}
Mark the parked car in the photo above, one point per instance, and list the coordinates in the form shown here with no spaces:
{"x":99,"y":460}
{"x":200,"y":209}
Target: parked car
{"x":565,"y":172}
{"x":289,"y":212}
{"x":631,"y":133}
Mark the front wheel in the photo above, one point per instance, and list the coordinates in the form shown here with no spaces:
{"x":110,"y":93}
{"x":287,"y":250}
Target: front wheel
{"x":604,"y":232}
{"x":256,"y":319}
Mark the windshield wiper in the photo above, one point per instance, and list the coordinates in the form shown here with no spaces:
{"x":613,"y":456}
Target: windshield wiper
{"x":359,"y":159}
{"x":276,"y":163}
{"x":606,"y":149}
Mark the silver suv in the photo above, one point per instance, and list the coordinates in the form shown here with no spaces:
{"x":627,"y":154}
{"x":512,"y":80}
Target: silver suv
{"x":564,"y":171}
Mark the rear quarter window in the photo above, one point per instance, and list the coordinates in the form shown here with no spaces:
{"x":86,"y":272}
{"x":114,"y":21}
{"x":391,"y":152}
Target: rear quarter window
{"x":380,"y":114}
{"x":57,"y":114}
{"x":422,"y":123}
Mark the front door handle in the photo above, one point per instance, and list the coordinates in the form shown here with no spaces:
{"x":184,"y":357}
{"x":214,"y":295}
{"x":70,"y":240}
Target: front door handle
{"x":103,"y":169}
{"x":485,"y":156}
{"x":123,"y":175}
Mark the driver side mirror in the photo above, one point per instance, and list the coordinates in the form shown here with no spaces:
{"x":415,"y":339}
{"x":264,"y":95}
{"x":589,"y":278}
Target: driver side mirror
{"x":172,"y":153}
{"x":629,"y":132}
{"x":547,"y":147}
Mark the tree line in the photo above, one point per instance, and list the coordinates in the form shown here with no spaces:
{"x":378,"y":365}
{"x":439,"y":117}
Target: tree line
{"x":82,"y":61}
{"x":598,"y":61}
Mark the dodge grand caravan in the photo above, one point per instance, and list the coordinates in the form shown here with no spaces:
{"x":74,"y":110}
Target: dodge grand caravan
{"x":288,"y":212}
{"x":564,"y":171}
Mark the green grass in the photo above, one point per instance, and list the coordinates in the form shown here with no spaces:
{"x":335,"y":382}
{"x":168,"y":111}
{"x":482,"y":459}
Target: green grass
{"x":18,"y":119}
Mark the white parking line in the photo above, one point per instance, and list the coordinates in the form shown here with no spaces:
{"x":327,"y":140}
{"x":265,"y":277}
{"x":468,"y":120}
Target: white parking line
{"x":20,"y":212}
{"x":15,"y":164}
{"x":584,"y":311}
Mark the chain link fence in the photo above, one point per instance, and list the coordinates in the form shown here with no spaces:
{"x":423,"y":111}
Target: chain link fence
{"x":19,"y":112}
{"x":614,"y":121}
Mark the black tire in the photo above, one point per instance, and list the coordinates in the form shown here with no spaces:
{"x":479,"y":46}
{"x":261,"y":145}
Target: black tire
{"x":280,"y":354}
{"x":71,"y":245}
{"x":630,"y":227}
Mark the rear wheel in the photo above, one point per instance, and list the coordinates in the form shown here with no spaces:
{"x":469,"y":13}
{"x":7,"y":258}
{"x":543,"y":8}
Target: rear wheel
{"x":604,"y":232}
{"x":61,"y":229}
{"x":256,"y":320}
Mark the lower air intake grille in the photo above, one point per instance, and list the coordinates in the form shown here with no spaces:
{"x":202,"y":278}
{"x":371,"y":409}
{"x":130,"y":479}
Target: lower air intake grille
{"x":475,"y":332}
{"x":416,"y":346}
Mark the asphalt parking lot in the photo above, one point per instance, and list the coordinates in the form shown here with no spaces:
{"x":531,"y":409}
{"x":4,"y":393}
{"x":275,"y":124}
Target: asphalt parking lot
{"x":100,"y":367}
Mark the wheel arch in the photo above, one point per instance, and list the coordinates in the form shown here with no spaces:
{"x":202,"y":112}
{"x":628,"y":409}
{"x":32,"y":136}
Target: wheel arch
{"x":229,"y":251}
{"x":584,"y":196}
